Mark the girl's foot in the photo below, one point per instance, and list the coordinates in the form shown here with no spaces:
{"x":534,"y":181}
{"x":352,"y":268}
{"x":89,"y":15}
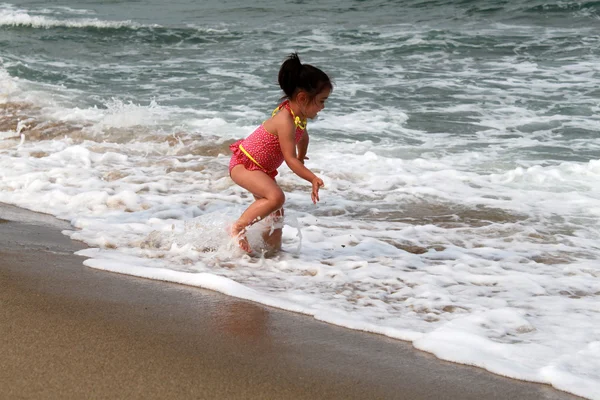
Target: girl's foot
{"x":238,"y":232}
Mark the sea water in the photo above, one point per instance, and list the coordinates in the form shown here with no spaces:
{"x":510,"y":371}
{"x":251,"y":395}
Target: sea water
{"x":459,"y":149}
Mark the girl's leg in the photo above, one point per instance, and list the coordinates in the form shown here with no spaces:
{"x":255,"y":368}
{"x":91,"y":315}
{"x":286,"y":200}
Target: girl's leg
{"x":269,"y":197}
{"x":273,"y":231}
{"x":273,"y":240}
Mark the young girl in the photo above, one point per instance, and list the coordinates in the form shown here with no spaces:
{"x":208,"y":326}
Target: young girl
{"x":255,"y":159}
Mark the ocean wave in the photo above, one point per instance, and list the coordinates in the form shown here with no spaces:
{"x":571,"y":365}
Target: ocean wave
{"x":157,"y":34}
{"x":470,"y":11}
{"x":564,"y":6}
{"x":11,"y":18}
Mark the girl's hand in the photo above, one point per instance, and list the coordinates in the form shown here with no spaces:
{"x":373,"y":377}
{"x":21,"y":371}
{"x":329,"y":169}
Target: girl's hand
{"x":316,"y":184}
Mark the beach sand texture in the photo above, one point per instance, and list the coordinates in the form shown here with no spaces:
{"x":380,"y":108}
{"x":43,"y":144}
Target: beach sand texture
{"x":73,"y":332}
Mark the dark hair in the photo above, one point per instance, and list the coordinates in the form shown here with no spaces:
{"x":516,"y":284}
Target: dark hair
{"x":294,"y":76}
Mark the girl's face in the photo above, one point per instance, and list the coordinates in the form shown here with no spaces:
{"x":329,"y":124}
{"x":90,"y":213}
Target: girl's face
{"x":314,"y":106}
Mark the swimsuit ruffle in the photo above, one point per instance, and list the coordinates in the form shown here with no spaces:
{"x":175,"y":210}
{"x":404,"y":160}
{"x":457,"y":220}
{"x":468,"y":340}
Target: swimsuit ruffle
{"x":238,"y":157}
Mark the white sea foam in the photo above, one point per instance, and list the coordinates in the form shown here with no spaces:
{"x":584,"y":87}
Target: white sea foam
{"x":8,"y":86}
{"x":16,"y":17}
{"x":245,"y":79}
{"x":61,"y":10}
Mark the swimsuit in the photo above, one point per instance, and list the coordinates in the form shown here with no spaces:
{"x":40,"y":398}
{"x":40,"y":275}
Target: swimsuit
{"x":261,"y":150}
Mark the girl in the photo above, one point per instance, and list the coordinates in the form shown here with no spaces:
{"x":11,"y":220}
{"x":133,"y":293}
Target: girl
{"x":255,"y":159}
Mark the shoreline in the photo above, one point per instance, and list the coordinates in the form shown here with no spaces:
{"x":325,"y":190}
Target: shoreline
{"x":72,"y":331}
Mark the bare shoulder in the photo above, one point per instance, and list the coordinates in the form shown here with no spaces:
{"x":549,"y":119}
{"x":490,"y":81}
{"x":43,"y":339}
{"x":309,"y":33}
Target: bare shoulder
{"x":280,"y":123}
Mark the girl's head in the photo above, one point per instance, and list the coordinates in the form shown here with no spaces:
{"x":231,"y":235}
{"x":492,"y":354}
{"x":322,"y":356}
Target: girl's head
{"x":305,"y":80}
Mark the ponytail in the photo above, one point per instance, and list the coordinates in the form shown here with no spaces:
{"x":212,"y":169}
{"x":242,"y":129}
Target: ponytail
{"x":294,"y":76}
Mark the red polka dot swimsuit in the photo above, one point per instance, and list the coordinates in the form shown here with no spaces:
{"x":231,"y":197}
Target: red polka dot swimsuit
{"x":261,"y":150}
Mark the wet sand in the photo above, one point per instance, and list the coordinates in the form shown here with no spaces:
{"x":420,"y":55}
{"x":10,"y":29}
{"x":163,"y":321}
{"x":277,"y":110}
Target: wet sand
{"x":72,"y":332}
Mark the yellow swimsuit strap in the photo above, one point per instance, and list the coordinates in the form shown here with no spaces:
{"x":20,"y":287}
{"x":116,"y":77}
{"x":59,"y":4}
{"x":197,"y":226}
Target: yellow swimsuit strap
{"x":297,"y":121}
{"x":250,"y":157}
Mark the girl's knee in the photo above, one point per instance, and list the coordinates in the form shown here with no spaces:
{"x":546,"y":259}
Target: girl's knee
{"x":278,"y":199}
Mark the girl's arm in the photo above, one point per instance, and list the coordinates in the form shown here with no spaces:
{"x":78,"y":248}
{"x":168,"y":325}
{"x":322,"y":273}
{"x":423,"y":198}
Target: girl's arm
{"x":303,"y":147}
{"x":288,"y":148}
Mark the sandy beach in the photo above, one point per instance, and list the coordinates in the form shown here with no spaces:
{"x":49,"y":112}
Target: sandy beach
{"x":73,"y":332}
